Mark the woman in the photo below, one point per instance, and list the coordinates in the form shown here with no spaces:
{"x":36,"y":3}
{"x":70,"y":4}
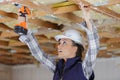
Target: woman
{"x":70,"y":66}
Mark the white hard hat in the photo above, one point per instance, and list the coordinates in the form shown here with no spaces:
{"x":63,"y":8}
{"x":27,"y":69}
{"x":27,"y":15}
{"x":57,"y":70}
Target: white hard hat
{"x":71,"y":34}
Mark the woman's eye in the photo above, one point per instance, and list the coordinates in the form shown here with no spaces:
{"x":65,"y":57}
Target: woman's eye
{"x":64,"y":42}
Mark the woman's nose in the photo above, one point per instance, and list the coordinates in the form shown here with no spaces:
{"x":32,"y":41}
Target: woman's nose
{"x":59,"y":46}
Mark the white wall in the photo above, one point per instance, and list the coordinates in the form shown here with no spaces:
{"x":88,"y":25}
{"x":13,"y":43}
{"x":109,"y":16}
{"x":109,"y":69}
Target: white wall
{"x":105,"y":69}
{"x":5,"y":72}
{"x":31,"y":72}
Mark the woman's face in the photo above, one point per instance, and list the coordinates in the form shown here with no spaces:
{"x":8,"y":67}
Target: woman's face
{"x":66,"y":49}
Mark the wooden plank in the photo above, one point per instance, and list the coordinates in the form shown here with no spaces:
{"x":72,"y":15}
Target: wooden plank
{"x":38,"y":6}
{"x":13,"y":38}
{"x":62,"y":4}
{"x":110,"y":40}
{"x":108,"y":3}
{"x":4,"y":43}
{"x":113,"y":50}
{"x":103,"y":54}
{"x":5,"y":19}
{"x":16,"y":43}
{"x":5,"y":61}
{"x":114,"y":40}
{"x":65,"y":9}
{"x":4,"y":52}
{"x":103,"y":40}
{"x":45,"y":31}
{"x":6,"y":58}
{"x":42,"y":9}
{"x":5,"y":34}
{"x":100,"y":9}
{"x":8,"y":14}
{"x":47,"y":24}
{"x":70,"y":16}
{"x":107,"y":35}
{"x":4,"y":27}
{"x":23,"y":56}
{"x":112,"y":2}
{"x":20,"y":50}
{"x":14,"y":61}
{"x":9,"y":1}
{"x":114,"y":45}
{"x":106,"y":11}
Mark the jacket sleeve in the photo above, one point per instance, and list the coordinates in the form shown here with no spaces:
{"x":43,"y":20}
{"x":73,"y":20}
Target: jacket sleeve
{"x":93,"y":47}
{"x":36,"y":51}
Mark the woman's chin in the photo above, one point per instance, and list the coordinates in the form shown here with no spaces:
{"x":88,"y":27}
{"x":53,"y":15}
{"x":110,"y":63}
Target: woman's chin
{"x":60,"y":57}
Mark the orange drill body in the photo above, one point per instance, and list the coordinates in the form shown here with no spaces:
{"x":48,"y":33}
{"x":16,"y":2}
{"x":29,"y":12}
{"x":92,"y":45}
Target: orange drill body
{"x":21,"y":28}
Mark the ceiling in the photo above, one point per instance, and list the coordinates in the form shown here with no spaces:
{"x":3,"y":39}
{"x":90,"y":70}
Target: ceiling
{"x":51,"y":17}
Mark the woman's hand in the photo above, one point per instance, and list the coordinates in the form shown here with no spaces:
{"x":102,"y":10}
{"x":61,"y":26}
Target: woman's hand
{"x":86,"y":12}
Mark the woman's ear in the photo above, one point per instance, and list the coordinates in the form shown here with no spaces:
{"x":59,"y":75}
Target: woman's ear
{"x":75,"y":48}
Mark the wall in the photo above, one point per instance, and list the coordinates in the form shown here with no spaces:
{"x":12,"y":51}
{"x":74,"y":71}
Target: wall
{"x":31,"y":72}
{"x":5,"y":72}
{"x":105,"y":69}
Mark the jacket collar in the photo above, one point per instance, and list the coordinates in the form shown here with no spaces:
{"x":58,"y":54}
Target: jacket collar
{"x":68,"y":64}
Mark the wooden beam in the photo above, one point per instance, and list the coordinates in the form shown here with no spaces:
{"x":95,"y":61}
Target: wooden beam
{"x":5,"y":34}
{"x":47,"y":24}
{"x":9,"y":1}
{"x":65,"y":9}
{"x":38,"y":6}
{"x":4,"y":27}
{"x":107,"y":35}
{"x":113,"y":50}
{"x":14,"y":61}
{"x":108,"y":3}
{"x":13,"y":38}
{"x":4,"y":43}
{"x":23,"y":56}
{"x":16,"y":43}
{"x":100,"y":9}
{"x":8,"y":14}
{"x":6,"y":58}
{"x":42,"y":9}
{"x":114,"y":40}
{"x":111,"y":46}
{"x":20,"y":50}
{"x":5,"y":19}
{"x":110,"y":40}
{"x":70,"y":16}
{"x":112,"y":2}
{"x":103,"y":54}
{"x":106,"y":11}
{"x":4,"y":52}
{"x":5,"y":61}
{"x":45,"y":31}
{"x":103,"y":40}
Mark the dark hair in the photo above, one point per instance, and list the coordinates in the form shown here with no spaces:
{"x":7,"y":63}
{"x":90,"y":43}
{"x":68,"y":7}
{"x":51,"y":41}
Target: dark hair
{"x":80,"y":49}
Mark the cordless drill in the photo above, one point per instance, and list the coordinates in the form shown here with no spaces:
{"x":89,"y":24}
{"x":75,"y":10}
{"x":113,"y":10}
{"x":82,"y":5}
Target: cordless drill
{"x":23,"y":12}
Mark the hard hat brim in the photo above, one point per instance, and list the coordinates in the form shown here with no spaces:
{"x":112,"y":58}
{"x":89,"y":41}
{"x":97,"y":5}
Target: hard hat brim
{"x":58,"y":37}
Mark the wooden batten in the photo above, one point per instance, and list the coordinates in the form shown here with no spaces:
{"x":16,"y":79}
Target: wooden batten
{"x":7,"y":14}
{"x":42,"y":23}
{"x":4,"y":27}
{"x":4,"y":43}
{"x":5,"y":34}
{"x":70,"y":16}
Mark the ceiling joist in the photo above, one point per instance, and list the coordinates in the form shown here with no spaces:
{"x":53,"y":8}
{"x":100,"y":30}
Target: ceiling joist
{"x":8,"y":14}
{"x":100,"y":9}
{"x":4,"y":27}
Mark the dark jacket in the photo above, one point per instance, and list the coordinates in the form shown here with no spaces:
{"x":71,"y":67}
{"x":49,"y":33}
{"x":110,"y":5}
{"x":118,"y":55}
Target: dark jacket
{"x":71,"y":70}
